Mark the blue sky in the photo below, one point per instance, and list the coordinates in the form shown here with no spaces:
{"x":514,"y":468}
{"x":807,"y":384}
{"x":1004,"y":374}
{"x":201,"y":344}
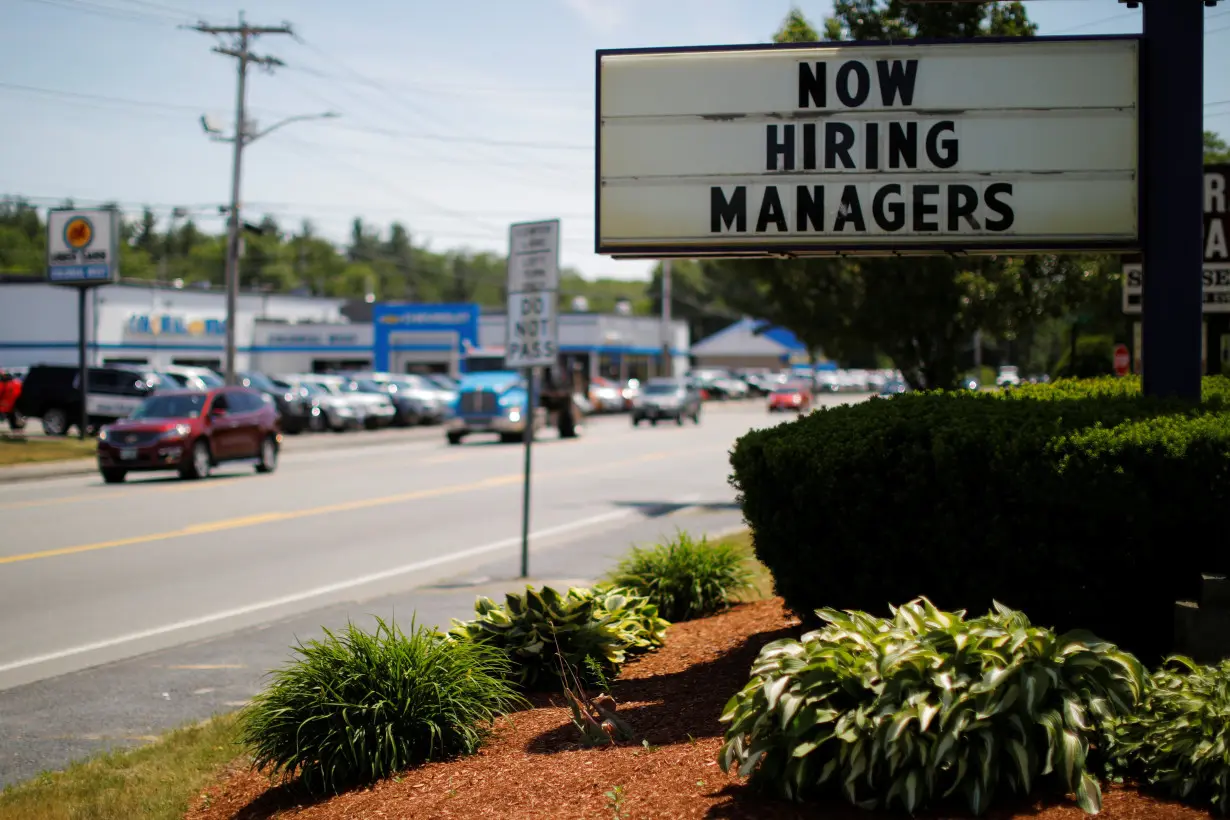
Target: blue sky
{"x":457,"y":118}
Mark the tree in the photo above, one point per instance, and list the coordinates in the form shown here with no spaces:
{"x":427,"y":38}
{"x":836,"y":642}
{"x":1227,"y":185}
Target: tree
{"x":1215,"y":149}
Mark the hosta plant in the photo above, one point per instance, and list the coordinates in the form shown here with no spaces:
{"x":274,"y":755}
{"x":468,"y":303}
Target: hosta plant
{"x":603,"y":625}
{"x":686,"y":578}
{"x":927,"y":705}
{"x":1179,"y":740}
{"x":357,"y":706}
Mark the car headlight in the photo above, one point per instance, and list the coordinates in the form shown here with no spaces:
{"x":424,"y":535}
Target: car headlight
{"x":178,"y":431}
{"x":102,"y":434}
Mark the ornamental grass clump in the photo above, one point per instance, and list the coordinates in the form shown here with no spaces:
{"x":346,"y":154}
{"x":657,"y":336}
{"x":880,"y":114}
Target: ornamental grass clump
{"x":686,"y":578}
{"x":357,"y":707}
{"x":603,"y":625}
{"x":927,"y":705}
{"x":1179,"y":740}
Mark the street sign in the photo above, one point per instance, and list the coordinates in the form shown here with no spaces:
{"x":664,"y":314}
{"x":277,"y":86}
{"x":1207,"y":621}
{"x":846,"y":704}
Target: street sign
{"x":533,"y":285}
{"x":1123,"y":360}
{"x":82,"y":247}
{"x":1216,"y":276}
{"x":533,"y":330}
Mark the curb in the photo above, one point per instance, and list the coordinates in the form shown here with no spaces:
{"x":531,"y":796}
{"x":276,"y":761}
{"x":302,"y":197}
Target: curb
{"x":17,"y":473}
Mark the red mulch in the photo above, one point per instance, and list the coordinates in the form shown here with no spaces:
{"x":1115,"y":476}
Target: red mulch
{"x":534,"y":767}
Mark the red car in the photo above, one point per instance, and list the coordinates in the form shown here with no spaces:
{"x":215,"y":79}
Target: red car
{"x":192,"y":431}
{"x":792,"y":397}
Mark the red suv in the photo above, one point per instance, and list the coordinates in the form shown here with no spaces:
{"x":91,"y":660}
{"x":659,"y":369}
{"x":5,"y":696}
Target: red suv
{"x":191,"y":431}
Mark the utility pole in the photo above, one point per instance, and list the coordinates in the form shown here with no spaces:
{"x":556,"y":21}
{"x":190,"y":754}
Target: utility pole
{"x":667,"y":361}
{"x":244,"y":34}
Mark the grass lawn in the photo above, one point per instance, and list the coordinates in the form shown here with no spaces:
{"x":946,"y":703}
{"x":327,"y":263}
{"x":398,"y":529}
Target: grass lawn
{"x":153,"y":782}
{"x":160,"y":780}
{"x":22,"y":450}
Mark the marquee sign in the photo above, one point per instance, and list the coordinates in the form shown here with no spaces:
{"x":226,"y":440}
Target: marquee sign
{"x":970,"y":146}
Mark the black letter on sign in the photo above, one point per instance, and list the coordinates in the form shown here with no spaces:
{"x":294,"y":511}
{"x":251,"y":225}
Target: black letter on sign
{"x":722,"y":210}
{"x":924,"y":209}
{"x":897,"y":79}
{"x":809,"y":146}
{"x":891,"y":218}
{"x":903,"y":144}
{"x":872,"y":136}
{"x":962,"y":204}
{"x":771,"y":211}
{"x":785,"y":148}
{"x":992,"y":195}
{"x":948,"y":158}
{"x":809,"y":207}
{"x":850,"y":211}
{"x":862,"y":84}
{"x":838,"y":140}
{"x":811,"y":85}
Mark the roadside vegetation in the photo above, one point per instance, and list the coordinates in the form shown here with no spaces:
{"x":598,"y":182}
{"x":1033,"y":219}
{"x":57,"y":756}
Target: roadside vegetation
{"x":19,"y":449}
{"x":154,"y":782}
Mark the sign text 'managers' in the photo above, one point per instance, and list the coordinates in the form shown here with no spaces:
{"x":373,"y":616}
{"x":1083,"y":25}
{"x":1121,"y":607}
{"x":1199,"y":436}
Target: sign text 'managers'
{"x":900,"y":144}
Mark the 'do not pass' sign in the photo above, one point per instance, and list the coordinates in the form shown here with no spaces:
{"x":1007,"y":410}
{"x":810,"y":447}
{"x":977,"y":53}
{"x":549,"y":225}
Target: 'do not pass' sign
{"x":533,"y":284}
{"x":935,"y":147}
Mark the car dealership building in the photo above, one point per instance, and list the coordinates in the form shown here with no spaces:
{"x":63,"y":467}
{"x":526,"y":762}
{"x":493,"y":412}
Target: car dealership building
{"x":159,"y":325}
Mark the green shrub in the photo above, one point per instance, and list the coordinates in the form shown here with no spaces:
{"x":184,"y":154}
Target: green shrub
{"x":685,"y":578}
{"x":1179,"y":740}
{"x":927,"y":705}
{"x":357,"y":707}
{"x":1053,"y":498}
{"x":1095,"y":356}
{"x":603,"y":625}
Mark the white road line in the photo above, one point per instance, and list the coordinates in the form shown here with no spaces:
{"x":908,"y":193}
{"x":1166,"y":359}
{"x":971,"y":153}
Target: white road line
{"x":313,"y":593}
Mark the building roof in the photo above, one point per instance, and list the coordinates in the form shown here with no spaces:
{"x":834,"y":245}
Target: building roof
{"x":749,"y":337}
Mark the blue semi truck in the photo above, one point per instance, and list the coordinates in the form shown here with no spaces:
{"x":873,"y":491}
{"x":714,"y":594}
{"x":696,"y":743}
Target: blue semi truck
{"x":494,"y":401}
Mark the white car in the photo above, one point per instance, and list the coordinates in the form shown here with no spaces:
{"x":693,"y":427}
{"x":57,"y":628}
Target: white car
{"x":191,"y":378}
{"x":1009,"y":376}
{"x":378,"y":408}
{"x":341,"y":413}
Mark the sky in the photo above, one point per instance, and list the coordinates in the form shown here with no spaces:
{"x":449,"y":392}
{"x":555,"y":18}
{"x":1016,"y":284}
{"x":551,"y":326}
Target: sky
{"x":456,"y":119}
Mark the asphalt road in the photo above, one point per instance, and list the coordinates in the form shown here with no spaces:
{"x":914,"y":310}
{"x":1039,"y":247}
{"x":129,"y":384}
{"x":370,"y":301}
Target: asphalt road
{"x":133,"y":608}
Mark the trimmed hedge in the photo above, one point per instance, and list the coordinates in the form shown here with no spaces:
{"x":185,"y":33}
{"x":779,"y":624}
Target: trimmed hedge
{"x":1082,"y":502}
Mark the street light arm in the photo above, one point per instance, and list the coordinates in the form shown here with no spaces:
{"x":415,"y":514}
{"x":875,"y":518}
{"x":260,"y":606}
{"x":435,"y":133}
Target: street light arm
{"x":328,"y":115}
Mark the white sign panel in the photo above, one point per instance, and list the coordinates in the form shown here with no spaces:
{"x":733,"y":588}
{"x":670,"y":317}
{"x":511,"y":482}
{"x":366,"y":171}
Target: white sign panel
{"x":1216,"y":288}
{"x":533,"y":256}
{"x":82,"y":247}
{"x":533,"y":281}
{"x":533,"y":330}
{"x":869,"y":148}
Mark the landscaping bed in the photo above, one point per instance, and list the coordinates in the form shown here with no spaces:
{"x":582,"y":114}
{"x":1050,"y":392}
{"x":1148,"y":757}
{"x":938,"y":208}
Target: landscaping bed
{"x":536,"y":767}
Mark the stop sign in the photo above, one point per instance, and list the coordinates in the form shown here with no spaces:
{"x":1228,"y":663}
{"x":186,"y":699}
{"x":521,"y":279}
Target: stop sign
{"x":1123,"y":360}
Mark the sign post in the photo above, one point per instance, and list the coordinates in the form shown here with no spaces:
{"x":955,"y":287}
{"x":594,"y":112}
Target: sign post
{"x":82,"y":252}
{"x":533,"y":329}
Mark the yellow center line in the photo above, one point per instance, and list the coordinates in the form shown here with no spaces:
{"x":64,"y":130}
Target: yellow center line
{"x":329,"y":509}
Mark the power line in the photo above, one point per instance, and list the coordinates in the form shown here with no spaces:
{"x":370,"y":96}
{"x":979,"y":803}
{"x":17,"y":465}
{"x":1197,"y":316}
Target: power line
{"x":100,"y":10}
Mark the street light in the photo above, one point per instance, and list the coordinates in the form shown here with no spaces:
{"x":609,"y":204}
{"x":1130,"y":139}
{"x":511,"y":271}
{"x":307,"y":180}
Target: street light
{"x":244,"y":135}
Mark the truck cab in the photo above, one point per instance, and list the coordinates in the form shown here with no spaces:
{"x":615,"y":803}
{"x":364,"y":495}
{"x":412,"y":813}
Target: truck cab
{"x":491,"y":402}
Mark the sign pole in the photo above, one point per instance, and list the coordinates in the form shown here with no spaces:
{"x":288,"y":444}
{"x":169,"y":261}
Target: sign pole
{"x":525,"y":494}
{"x":83,"y":365}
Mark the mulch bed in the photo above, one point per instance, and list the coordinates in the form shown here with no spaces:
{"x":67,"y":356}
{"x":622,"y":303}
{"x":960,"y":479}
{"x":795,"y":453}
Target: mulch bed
{"x":534,"y":766}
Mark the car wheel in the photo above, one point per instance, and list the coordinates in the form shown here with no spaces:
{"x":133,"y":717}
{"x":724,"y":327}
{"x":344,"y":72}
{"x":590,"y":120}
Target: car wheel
{"x":636,"y":421}
{"x":111,"y":475}
{"x":16,"y":421}
{"x":317,"y":423}
{"x":679,"y":419}
{"x":269,"y":456}
{"x":455,"y":438}
{"x":696,"y":417}
{"x":55,"y":421}
{"x":653,"y":422}
{"x":199,"y":462}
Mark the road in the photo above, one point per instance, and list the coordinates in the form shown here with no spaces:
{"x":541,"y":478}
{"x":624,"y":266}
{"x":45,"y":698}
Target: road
{"x":124,"y":600}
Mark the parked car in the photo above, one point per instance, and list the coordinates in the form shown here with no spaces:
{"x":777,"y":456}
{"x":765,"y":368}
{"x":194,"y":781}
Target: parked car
{"x":416,"y":399}
{"x":52,"y":392}
{"x":792,"y":397}
{"x":191,"y":432}
{"x":338,"y":413}
{"x":492,"y":402}
{"x":827,"y":381}
{"x":378,"y":408}
{"x":295,"y":408}
{"x":893,"y":386}
{"x":1009,"y":376}
{"x":191,"y":378}
{"x":665,"y":398}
